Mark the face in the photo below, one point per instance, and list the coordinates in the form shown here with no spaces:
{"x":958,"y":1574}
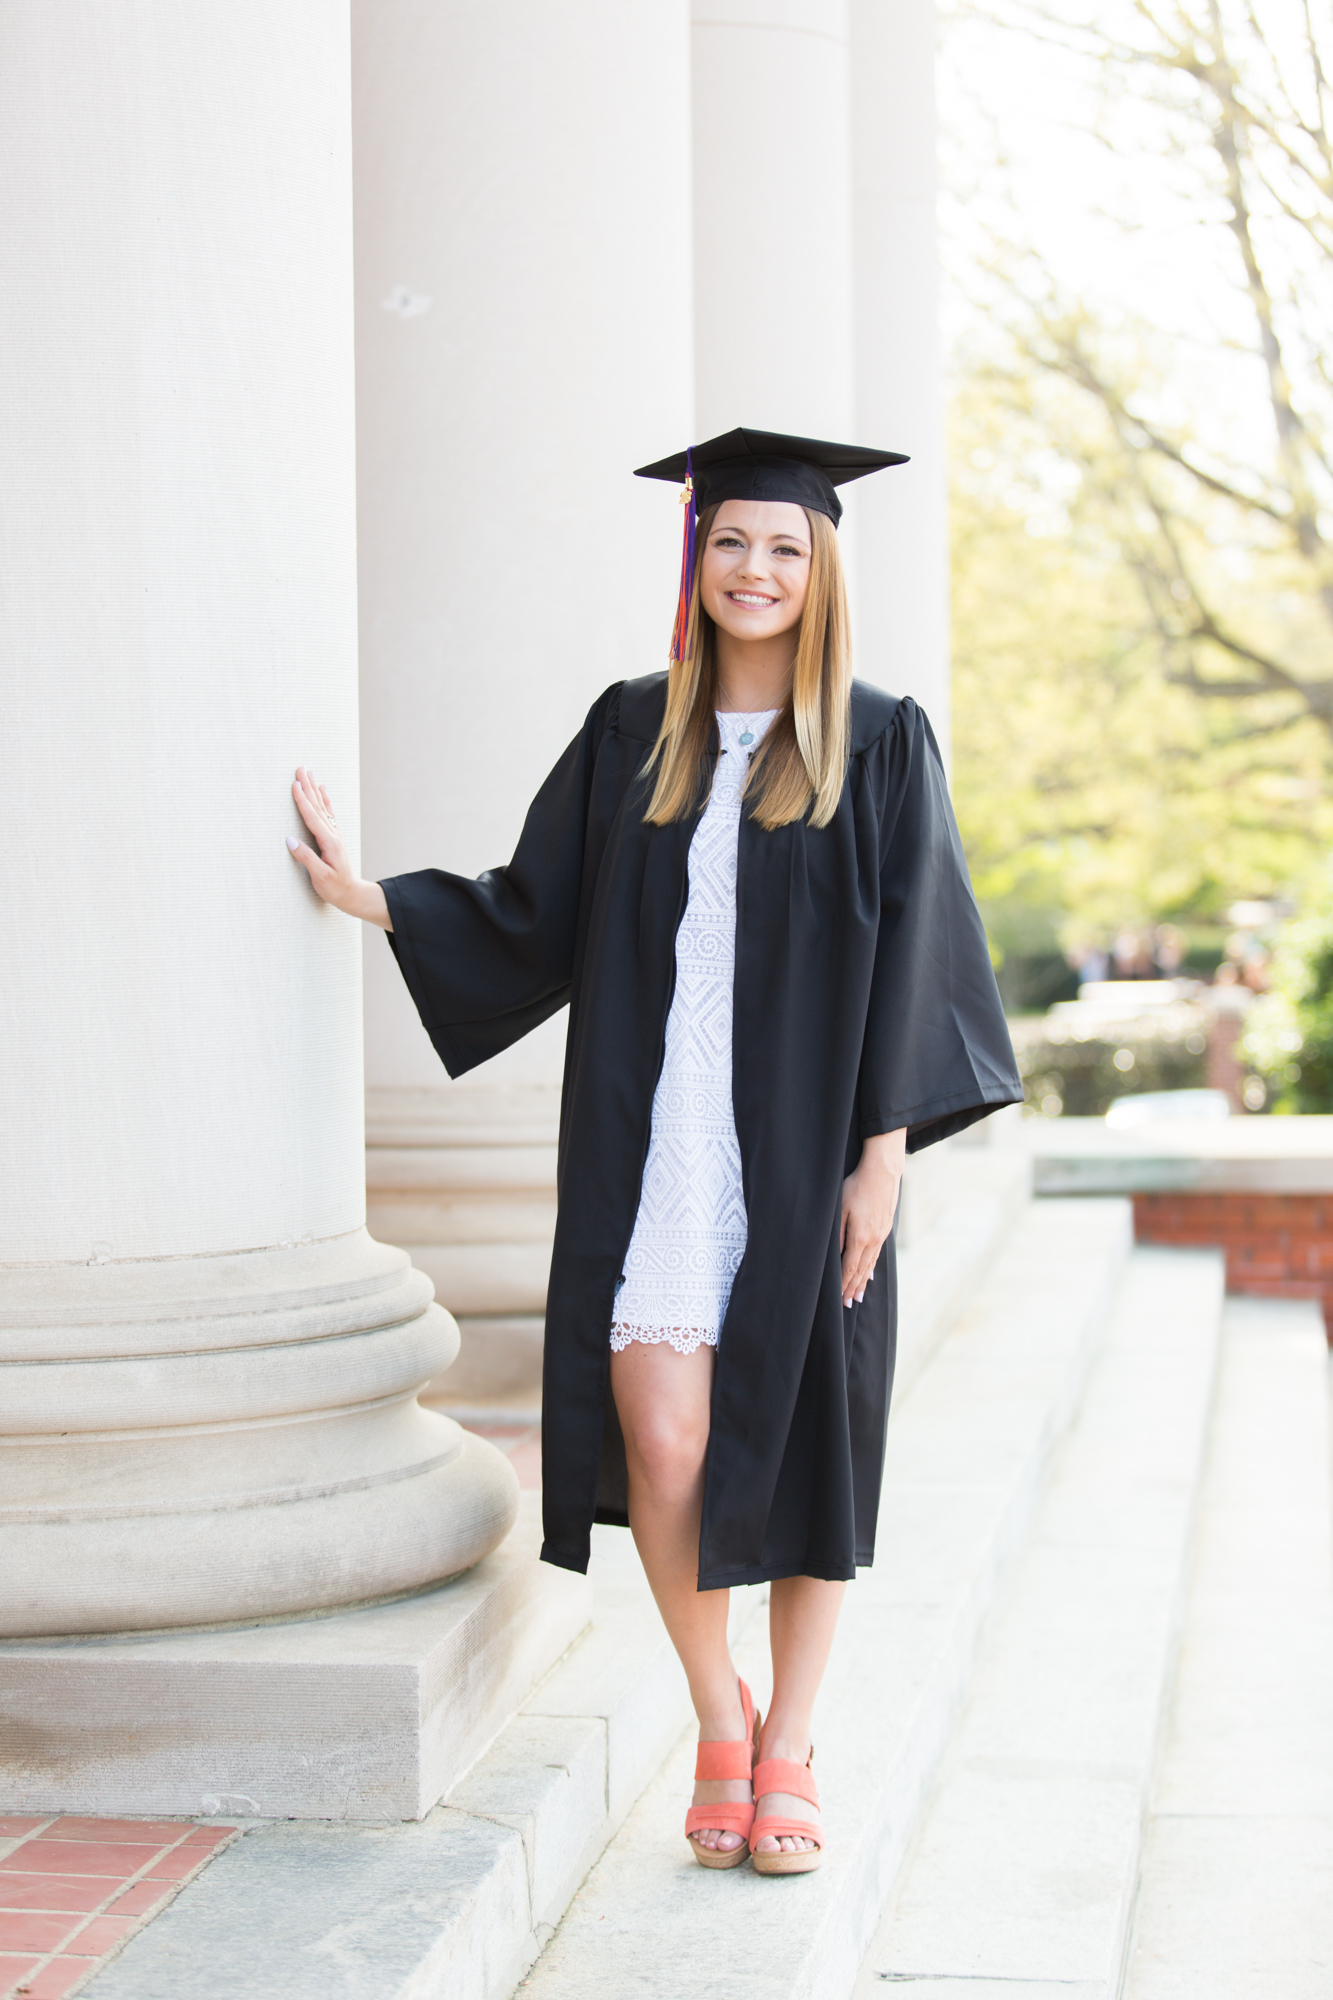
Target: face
{"x":756,"y":568}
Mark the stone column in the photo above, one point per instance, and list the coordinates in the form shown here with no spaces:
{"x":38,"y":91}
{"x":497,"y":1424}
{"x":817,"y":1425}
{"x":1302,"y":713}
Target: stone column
{"x":208,"y":1389}
{"x":814,"y":133}
{"x":524,"y":340}
{"x":902,"y":521}
{"x":774,"y":333}
{"x":773,"y":245}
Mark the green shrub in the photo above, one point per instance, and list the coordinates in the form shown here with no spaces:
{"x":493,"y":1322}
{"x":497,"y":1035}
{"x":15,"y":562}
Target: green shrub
{"x":1288,"y":1035}
{"x":1079,"y":1068}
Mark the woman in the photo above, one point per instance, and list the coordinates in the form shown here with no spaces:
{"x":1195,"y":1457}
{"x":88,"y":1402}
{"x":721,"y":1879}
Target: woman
{"x":744,"y":878}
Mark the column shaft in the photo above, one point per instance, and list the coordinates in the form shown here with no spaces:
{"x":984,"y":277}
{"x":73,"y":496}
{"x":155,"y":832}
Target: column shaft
{"x":903,"y":590}
{"x":207,"y":1369}
{"x":524,"y":332}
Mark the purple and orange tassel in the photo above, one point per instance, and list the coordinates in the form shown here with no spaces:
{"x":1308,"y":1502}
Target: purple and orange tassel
{"x":680,"y":630}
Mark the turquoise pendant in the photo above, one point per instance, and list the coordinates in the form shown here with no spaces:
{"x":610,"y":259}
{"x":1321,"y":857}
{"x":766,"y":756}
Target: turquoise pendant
{"x":747,"y":736}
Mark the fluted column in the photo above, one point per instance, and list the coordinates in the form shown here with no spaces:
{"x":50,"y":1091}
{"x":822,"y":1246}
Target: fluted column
{"x":208,"y":1370}
{"x":816,"y":282}
{"x":773,"y":246}
{"x":524,"y":337}
{"x":902,"y":522}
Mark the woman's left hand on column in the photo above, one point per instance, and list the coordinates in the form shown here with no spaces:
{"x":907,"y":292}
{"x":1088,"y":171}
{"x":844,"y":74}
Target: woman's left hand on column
{"x":869,"y":1201}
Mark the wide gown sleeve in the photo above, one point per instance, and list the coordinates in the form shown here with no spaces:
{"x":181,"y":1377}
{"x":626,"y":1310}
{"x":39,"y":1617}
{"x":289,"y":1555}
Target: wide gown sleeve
{"x":937,"y":1054}
{"x":488,"y":960}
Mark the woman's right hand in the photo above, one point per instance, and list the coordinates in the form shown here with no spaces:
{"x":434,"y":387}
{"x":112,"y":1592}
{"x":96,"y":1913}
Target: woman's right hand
{"x":330,"y":869}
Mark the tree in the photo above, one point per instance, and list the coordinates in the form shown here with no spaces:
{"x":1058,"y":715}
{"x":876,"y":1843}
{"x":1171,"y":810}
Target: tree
{"x":1226,"y":526}
{"x":1093,"y":789}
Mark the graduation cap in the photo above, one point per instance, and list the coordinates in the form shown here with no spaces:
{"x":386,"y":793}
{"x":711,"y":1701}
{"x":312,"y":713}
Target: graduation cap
{"x":759,"y":465}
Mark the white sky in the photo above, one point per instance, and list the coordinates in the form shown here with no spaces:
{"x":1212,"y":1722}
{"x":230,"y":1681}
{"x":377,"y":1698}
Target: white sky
{"x":1022,"y":159}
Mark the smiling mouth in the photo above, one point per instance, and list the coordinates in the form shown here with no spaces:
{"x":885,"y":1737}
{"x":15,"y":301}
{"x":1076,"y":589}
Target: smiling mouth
{"x":750,"y":601}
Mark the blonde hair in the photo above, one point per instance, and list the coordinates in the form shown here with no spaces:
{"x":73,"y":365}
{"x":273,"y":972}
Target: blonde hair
{"x":802,"y":761}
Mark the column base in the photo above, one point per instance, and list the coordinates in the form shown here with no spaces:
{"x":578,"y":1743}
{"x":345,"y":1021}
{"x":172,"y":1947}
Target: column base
{"x":206,"y":1440}
{"x":362,"y":1715}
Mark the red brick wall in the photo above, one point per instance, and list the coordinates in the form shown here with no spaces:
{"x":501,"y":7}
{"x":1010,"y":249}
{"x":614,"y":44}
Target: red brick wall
{"x":1279,"y":1246}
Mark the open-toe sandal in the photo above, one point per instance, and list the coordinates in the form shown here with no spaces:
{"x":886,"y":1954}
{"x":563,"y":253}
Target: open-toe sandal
{"x":777,"y":1774}
{"x":725,"y":1760}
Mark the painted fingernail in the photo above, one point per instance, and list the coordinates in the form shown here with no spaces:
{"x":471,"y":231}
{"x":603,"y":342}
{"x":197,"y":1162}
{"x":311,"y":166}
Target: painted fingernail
{"x":293,"y":844}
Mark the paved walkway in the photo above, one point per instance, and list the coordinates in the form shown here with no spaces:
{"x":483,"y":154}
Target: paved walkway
{"x":73,"y":1890}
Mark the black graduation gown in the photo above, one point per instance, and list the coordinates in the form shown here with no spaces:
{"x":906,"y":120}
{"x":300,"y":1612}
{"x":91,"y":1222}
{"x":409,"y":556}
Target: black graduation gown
{"x":864,"y":1001}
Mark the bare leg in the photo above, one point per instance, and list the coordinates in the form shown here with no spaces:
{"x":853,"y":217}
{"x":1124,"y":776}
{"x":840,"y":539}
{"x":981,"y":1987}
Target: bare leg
{"x":662,"y":1399}
{"x":802,"y":1618}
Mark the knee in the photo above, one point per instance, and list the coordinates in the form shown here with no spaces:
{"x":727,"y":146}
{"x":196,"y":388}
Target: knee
{"x":666,"y":1450}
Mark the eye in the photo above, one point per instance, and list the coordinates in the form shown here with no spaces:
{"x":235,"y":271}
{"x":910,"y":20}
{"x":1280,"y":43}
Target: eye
{"x":787,"y":550}
{"x":728,"y":542}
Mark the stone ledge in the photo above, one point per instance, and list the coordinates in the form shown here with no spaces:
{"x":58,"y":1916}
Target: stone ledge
{"x":361,"y":1715}
{"x":1223,"y":1156}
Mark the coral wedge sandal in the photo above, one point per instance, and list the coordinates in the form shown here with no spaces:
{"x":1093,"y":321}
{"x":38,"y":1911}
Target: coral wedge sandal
{"x":726,"y":1760}
{"x":778,"y":1774}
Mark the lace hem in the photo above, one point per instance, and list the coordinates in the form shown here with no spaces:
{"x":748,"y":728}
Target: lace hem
{"x":684,"y":1339}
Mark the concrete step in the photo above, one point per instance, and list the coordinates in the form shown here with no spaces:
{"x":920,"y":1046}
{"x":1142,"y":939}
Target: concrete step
{"x":969,"y":1449}
{"x":460,"y":1904}
{"x":1236,"y":1895}
{"x":1022,"y":1874}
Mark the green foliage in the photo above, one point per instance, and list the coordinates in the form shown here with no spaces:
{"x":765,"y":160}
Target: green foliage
{"x":1143,"y":478}
{"x":1093,"y":789}
{"x":1289,"y":1033}
{"x":1080,"y":1071}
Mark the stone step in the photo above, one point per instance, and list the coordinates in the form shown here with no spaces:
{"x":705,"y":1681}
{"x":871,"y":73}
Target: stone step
{"x":1236,"y":1892}
{"x":969,"y":1448}
{"x":1022,"y":1874}
{"x":460,"y":1904}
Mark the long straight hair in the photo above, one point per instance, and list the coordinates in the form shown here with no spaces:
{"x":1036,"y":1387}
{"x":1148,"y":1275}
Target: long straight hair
{"x":802,"y":761}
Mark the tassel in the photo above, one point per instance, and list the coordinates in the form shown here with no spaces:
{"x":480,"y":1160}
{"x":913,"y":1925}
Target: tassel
{"x":680,"y":630}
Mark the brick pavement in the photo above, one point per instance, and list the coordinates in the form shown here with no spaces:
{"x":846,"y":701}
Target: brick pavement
{"x":72,"y":1890}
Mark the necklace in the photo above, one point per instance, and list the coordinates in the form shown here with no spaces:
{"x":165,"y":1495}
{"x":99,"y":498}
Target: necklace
{"x":746,"y":737}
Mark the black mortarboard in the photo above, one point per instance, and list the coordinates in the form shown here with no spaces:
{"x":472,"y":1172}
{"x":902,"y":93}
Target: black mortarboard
{"x":765,"y":465}
{"x":760,"y":465}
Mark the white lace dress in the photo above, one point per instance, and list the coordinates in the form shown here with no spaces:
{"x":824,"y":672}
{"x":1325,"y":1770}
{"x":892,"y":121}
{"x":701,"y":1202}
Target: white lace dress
{"x":690,"y":1233}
